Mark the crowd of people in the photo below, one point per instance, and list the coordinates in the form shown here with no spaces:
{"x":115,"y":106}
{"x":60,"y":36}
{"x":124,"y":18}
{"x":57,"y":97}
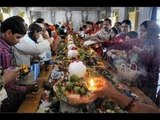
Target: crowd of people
{"x":23,"y":44}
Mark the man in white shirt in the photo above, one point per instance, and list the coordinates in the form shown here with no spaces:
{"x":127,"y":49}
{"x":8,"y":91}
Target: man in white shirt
{"x":27,"y":48}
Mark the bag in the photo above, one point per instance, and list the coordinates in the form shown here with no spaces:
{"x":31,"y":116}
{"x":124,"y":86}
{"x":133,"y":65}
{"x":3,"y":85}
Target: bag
{"x":127,"y":74}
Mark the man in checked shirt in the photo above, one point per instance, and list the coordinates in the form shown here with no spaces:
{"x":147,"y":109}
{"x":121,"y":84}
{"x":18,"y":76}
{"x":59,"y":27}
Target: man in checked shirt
{"x":12,"y":29}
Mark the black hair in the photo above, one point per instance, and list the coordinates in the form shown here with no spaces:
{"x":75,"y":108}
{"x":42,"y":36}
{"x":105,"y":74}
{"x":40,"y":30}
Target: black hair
{"x":144,"y":23}
{"x":84,"y":26}
{"x":46,"y":24}
{"x":97,"y":22}
{"x":34,"y":28}
{"x":49,"y":32}
{"x":15,"y":23}
{"x":81,"y":28}
{"x":115,"y":30}
{"x":119,"y":23}
{"x":128,"y":22}
{"x":62,"y":27}
{"x":88,"y":22}
{"x":91,"y":23}
{"x":40,"y":20}
{"x":132,"y":34}
{"x":57,"y":26}
{"x":109,"y":20}
{"x":100,"y":22}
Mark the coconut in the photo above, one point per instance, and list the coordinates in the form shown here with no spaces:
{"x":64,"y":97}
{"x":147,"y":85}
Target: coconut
{"x":70,"y":42}
{"x":70,"y":46}
{"x":72,"y":53}
{"x":69,"y":37}
{"x":77,"y":68}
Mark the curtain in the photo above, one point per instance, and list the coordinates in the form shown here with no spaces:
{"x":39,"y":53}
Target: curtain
{"x":154,"y":14}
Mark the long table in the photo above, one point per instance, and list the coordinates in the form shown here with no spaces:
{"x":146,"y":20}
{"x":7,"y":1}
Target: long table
{"x":32,"y":101}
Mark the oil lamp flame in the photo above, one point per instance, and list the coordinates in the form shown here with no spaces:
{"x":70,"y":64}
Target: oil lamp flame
{"x":91,"y":51}
{"x":91,"y":85}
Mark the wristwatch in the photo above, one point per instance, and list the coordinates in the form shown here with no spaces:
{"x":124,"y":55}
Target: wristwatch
{"x":1,"y":70}
{"x":1,"y":79}
{"x":1,"y":82}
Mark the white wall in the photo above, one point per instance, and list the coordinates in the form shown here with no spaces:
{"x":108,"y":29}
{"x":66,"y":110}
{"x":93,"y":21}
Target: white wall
{"x":102,"y":15}
{"x":76,"y":20}
{"x":47,"y":16}
{"x":144,"y":14}
{"x":60,"y":17}
{"x":93,"y":16}
{"x":76,"y":17}
{"x":27,"y":17}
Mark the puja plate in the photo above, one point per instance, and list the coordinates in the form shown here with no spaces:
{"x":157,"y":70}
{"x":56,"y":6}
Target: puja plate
{"x":75,"y":99}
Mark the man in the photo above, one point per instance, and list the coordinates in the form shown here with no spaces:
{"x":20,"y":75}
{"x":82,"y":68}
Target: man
{"x":12,"y":29}
{"x":101,"y":36}
{"x":28,"y":47}
{"x":118,"y":26}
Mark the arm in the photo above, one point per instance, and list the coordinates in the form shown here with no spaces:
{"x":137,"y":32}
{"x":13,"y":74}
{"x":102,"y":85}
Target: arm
{"x":109,"y":91}
{"x":5,"y":77}
{"x":123,"y":101}
{"x":29,"y":47}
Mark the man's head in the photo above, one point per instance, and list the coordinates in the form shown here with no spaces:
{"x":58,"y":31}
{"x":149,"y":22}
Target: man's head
{"x":40,"y":20}
{"x":118,"y":25}
{"x":12,"y":29}
{"x":107,"y":23}
{"x":35,"y":30}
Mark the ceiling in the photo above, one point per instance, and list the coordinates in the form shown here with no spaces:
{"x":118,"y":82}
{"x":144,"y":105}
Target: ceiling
{"x":65,"y":8}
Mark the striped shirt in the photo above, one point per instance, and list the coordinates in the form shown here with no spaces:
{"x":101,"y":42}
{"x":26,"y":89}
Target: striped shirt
{"x":6,"y":57}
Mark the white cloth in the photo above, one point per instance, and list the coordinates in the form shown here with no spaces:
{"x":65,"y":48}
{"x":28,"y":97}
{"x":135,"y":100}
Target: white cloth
{"x":21,"y":57}
{"x":3,"y":94}
{"x":27,"y":48}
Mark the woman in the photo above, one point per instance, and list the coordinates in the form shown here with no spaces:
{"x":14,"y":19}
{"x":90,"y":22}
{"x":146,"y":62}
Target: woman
{"x":149,"y":58}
